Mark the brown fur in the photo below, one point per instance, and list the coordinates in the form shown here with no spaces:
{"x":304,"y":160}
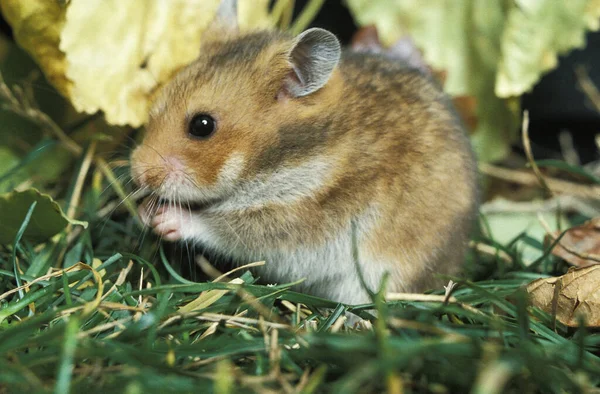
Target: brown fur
{"x":399,"y":153}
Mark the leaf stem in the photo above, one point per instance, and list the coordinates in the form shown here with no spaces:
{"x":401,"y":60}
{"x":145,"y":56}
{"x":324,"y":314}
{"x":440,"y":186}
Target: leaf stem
{"x":307,"y":15}
{"x":83,"y":171}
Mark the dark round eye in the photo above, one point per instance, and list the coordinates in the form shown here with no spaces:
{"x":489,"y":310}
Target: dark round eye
{"x":202,"y":126}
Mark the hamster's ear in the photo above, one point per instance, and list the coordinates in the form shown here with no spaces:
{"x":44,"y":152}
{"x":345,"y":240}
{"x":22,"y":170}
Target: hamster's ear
{"x":314,"y":55}
{"x":226,"y":17}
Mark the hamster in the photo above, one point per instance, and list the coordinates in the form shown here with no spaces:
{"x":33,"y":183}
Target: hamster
{"x":288,"y":150}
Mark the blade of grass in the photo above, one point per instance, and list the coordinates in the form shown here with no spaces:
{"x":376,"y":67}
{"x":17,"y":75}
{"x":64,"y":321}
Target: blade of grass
{"x":16,"y":243}
{"x":65,"y":368}
{"x":170,"y":269}
{"x":335,"y":314}
{"x":307,"y":15}
{"x":33,"y":154}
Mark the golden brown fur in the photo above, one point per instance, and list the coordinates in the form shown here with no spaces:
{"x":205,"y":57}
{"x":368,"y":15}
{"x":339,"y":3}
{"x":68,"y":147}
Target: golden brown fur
{"x":388,"y":155}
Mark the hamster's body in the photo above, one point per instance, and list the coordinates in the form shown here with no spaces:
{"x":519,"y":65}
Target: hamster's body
{"x":293,"y":177}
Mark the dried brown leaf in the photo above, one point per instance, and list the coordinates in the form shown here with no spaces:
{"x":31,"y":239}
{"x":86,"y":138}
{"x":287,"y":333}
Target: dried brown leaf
{"x":576,"y":293}
{"x":580,"y":246}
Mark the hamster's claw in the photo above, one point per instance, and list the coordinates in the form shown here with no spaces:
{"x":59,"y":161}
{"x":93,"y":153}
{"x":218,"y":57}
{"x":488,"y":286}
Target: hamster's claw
{"x":167,"y":221}
{"x":169,"y":230}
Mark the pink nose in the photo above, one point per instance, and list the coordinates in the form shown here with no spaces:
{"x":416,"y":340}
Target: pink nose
{"x":173,"y":163}
{"x":143,"y":175}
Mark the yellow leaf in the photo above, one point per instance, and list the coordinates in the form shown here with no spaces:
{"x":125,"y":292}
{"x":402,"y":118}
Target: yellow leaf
{"x":224,"y":377}
{"x":112,"y":55}
{"x":206,"y":299}
{"x":576,"y":293}
{"x":96,"y":263}
{"x":36,"y":27}
{"x":115,"y":66}
{"x":254,"y":14}
{"x":535,"y":34}
{"x":493,"y":51}
{"x":170,"y":358}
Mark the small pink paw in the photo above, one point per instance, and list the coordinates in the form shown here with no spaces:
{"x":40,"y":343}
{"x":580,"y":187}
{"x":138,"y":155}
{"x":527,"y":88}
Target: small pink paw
{"x":167,"y":221}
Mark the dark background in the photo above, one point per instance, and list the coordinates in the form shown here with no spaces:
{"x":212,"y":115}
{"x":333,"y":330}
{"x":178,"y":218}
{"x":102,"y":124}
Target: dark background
{"x":555,"y":104}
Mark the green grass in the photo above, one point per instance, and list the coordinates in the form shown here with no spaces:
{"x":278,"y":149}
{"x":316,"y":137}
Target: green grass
{"x":117,"y":327}
{"x":105,"y":309}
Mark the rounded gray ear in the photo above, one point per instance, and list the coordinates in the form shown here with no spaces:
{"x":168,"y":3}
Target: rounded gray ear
{"x":226,"y":17}
{"x":314,"y":56}
{"x":228,"y":10}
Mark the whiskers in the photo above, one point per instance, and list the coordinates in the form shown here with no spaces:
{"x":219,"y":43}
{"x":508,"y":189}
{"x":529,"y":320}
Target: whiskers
{"x":134,"y":192}
{"x":174,"y":190}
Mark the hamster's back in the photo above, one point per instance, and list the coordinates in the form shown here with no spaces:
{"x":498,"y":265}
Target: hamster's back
{"x":416,"y":158}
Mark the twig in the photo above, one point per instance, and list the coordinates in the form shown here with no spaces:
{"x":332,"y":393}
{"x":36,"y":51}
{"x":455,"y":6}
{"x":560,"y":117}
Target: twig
{"x":104,"y":327}
{"x":587,"y":86}
{"x":218,"y":276}
{"x":566,"y":203}
{"x":85,"y":167}
{"x":112,"y":206}
{"x":427,"y":328}
{"x":529,"y":154}
{"x":414,"y":297}
{"x":243,"y":294}
{"x":491,"y":251}
{"x":26,"y":286}
{"x":339,"y":323}
{"x":567,"y":148}
{"x":201,"y":363}
{"x":216,"y":317}
{"x":449,"y":289}
{"x":274,"y":351}
{"x":557,"y":186}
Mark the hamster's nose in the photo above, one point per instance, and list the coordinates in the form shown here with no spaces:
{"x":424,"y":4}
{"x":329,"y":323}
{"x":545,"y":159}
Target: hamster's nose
{"x":174,"y":164}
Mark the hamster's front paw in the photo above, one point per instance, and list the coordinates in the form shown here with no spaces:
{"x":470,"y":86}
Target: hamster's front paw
{"x":167,"y":221}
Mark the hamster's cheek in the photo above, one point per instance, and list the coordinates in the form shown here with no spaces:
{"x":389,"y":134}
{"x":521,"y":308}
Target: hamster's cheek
{"x":147,"y":167}
{"x":136,"y":167}
{"x":232,"y":168}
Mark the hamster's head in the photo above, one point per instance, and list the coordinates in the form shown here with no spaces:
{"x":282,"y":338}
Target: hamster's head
{"x":232,"y":116}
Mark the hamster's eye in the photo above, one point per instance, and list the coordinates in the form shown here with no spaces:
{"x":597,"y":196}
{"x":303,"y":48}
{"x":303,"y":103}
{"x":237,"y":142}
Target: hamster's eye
{"x":202,"y":126}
